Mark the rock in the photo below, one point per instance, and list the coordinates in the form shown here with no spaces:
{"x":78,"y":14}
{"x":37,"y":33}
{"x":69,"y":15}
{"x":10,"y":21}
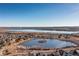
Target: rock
{"x":76,"y":52}
{"x":37,"y":54}
{"x":56,"y":53}
{"x":51,"y":54}
{"x":61,"y":52}
{"x":67,"y":54}
{"x":5,"y":52}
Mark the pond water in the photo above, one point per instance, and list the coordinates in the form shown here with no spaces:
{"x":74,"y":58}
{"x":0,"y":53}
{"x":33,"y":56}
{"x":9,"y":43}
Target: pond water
{"x":44,"y":31}
{"x":47,"y":43}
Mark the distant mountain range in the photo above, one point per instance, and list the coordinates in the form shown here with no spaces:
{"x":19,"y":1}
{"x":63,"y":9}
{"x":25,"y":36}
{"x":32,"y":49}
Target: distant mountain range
{"x":65,"y":28}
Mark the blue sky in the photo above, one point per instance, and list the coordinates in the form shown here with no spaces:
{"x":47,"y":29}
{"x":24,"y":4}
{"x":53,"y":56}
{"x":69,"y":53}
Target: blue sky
{"x":39,"y":14}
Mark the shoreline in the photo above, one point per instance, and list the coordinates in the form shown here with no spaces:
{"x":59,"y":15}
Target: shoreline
{"x":22,"y":38}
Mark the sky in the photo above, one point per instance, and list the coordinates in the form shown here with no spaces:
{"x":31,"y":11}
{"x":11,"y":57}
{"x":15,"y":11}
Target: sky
{"x":38,"y":15}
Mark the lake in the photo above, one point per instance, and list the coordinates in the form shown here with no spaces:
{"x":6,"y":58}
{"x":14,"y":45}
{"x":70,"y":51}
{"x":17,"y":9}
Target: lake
{"x":43,"y":31}
{"x":47,"y":43}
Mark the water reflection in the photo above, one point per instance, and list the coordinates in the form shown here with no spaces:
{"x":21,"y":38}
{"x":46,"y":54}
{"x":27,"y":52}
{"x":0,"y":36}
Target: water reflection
{"x":48,"y":43}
